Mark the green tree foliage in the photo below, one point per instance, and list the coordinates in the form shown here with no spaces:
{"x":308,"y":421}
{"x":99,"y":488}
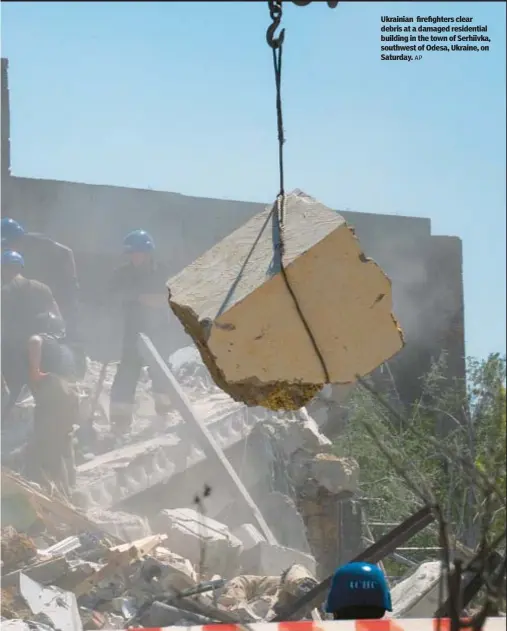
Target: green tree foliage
{"x":488,"y":404}
{"x":454,"y":428}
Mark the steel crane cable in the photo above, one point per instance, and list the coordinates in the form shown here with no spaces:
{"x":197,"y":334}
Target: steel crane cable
{"x":276,"y":44}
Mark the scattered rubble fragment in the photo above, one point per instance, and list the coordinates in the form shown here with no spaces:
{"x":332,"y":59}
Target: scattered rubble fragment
{"x":59,"y":606}
{"x":418,"y":595}
{"x":337,"y":475}
{"x":207,"y":544}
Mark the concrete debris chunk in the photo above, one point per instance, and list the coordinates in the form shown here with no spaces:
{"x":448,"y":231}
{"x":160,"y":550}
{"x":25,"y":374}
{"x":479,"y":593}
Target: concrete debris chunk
{"x":288,"y":525}
{"x":200,"y":539}
{"x":337,"y":475}
{"x":58,"y":605}
{"x":248,"y":535}
{"x":293,"y":431}
{"x":417,"y":596}
{"x":234,"y":303}
{"x":125,"y":526}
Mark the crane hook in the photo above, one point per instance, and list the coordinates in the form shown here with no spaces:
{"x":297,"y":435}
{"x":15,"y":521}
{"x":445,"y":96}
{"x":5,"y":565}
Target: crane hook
{"x":275,"y":10}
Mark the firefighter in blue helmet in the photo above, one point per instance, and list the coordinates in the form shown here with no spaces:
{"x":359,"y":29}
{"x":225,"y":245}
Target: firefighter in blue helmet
{"x":140,"y":286}
{"x":359,"y":591}
{"x":53,"y":264}
{"x":22,"y":300}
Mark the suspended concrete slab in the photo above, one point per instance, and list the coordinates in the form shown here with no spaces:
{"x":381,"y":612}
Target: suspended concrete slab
{"x":234,"y":302}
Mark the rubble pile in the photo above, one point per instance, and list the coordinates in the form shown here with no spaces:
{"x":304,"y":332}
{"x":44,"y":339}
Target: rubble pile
{"x":75,"y":575}
{"x":132,"y":548}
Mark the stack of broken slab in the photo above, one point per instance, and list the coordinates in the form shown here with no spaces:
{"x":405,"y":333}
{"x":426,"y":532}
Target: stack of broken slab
{"x":69,"y":573}
{"x":171,"y":463}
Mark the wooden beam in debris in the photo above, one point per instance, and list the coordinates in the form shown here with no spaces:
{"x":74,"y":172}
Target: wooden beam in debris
{"x":204,"y":437}
{"x":13,"y":483}
{"x":375,"y":553}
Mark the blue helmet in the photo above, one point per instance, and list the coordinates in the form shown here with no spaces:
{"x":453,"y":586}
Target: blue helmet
{"x":9,"y":257}
{"x":139,"y":241}
{"x":11,"y":230}
{"x":358,"y":585}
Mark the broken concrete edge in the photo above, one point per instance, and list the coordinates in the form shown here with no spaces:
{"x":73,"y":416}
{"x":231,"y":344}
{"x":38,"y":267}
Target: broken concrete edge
{"x":274,"y":396}
{"x":366,"y":259}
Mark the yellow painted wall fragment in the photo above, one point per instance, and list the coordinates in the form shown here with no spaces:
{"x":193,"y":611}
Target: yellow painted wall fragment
{"x":234,"y":303}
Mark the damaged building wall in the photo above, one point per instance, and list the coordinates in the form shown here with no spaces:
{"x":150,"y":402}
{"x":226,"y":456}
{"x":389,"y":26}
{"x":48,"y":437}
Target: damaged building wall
{"x":185,"y":227}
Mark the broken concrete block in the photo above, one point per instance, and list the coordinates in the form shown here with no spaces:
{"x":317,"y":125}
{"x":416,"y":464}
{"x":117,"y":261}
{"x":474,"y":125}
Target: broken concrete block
{"x":248,"y":535}
{"x":287,"y":524}
{"x":234,"y":302}
{"x":58,"y":605}
{"x":418,"y":595}
{"x":200,"y":539}
{"x":268,"y":560}
{"x":337,"y":475}
{"x":125,"y":526}
{"x":297,"y":431}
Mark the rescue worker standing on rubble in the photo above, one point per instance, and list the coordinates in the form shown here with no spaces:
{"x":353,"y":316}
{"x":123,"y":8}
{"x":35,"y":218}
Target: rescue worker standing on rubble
{"x":53,"y":264}
{"x":22,"y":300}
{"x":52,"y":379}
{"x":139,"y":284}
{"x":359,"y":591}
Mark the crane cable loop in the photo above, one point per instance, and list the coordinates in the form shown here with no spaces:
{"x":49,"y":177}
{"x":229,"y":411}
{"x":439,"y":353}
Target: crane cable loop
{"x":276,"y":45}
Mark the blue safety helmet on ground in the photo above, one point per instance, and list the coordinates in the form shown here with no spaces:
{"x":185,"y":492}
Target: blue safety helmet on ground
{"x":139,"y":241}
{"x":9,"y":257}
{"x":358,"y":585}
{"x":11,"y":230}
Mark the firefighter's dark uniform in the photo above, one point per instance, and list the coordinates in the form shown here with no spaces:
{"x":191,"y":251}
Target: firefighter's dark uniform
{"x":53,"y":264}
{"x":128,"y":284}
{"x":22,"y":301}
{"x":50,"y":452}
